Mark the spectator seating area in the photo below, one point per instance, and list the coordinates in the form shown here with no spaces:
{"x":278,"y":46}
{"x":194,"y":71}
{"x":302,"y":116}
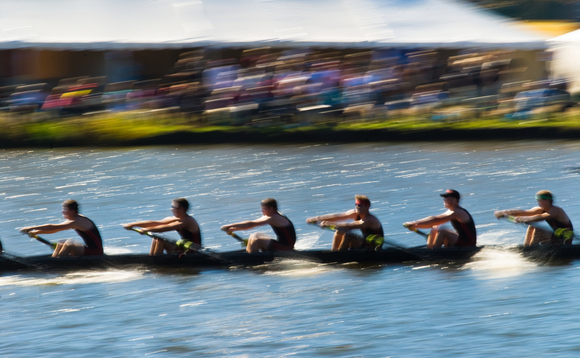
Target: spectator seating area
{"x":264,"y":86}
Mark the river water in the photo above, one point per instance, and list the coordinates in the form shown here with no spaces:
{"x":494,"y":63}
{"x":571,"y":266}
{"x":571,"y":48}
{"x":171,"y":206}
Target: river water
{"x":498,"y":304}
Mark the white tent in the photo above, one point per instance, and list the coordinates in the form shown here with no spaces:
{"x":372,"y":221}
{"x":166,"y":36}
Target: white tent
{"x":565,"y":51}
{"x":142,"y":24}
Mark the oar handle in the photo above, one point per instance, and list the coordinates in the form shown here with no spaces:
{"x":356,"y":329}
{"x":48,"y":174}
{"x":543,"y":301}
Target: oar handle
{"x":512,"y":218}
{"x":329,"y":227}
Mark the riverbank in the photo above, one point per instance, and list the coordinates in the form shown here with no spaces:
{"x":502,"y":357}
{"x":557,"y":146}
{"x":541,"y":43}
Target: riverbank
{"x":135,"y":130}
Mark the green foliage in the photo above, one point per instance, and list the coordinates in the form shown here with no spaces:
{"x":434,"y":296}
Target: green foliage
{"x":128,"y":129}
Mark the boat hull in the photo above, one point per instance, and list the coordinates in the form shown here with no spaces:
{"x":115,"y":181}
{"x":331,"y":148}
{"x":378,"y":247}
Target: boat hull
{"x":550,"y":253}
{"x":231,"y":259}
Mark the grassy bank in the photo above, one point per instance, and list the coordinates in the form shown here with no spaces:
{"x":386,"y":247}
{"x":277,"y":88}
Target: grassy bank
{"x":129,"y":129}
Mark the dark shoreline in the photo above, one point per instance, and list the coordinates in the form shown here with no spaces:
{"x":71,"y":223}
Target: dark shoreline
{"x":269,"y":136}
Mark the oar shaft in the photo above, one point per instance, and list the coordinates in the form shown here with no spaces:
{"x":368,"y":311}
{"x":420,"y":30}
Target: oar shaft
{"x":371,"y":239}
{"x":562,"y":233}
{"x":529,"y":223}
{"x":237,"y":237}
{"x":44,"y":241}
{"x":181,"y":244}
{"x":240,"y":239}
{"x":422,"y":233}
{"x":184,"y":245}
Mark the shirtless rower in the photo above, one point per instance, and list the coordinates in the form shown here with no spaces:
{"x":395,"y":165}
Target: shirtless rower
{"x":185,"y":225}
{"x":84,"y":227}
{"x":464,"y":234}
{"x":282,"y":226}
{"x":554,"y":215}
{"x":362,"y":220}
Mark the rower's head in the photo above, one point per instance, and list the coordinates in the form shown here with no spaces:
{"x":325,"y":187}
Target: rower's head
{"x":70,"y":209}
{"x":269,"y":206}
{"x":362,"y":204}
{"x":451,"y":197}
{"x":545,"y":199}
{"x":179,"y":205}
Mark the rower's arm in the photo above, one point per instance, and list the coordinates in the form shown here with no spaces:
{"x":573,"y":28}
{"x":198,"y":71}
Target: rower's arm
{"x":351,"y":214}
{"x":49,"y":228}
{"x":430,"y":221}
{"x":347,"y":226}
{"x":517,"y":212}
{"x":174,"y":225}
{"x":554,"y":213}
{"x":246,"y":225}
{"x":150,"y":223}
{"x":535,"y":218}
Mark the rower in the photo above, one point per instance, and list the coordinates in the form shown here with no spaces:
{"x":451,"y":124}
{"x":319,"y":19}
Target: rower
{"x":185,"y":225}
{"x":84,"y":227}
{"x":362,"y":220}
{"x":464,"y":234}
{"x":282,"y":226}
{"x":554,"y":215}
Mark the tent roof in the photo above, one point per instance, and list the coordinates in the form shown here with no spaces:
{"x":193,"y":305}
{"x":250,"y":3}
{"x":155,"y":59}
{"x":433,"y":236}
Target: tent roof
{"x":143,"y":24}
{"x":570,"y":37}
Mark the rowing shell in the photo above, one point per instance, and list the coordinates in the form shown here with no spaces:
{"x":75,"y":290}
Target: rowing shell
{"x":241,"y":258}
{"x":232,"y":259}
{"x":550,"y":253}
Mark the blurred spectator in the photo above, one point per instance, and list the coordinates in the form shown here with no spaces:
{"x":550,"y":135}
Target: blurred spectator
{"x":300,"y":85}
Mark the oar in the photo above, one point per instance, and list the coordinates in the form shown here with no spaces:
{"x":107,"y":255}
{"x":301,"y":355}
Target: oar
{"x":180,"y":244}
{"x":184,"y":245}
{"x":243,"y":241}
{"x":40,"y":239}
{"x":562,"y":233}
{"x":371,"y":239}
{"x":382,"y":241}
{"x":44,"y":241}
{"x":422,"y":233}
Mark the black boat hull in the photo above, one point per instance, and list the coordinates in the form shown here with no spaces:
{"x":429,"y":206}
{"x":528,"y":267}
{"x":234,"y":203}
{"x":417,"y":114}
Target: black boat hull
{"x":231,"y":259}
{"x":550,"y":253}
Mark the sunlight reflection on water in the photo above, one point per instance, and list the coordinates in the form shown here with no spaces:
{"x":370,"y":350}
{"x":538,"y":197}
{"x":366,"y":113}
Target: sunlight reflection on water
{"x":76,"y":278}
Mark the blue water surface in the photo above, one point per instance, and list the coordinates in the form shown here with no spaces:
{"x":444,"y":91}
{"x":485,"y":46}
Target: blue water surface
{"x":498,"y":304}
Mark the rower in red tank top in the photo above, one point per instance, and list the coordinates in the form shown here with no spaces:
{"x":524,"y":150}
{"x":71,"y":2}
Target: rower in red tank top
{"x":280,"y":224}
{"x":84,"y":227}
{"x":464,"y":234}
